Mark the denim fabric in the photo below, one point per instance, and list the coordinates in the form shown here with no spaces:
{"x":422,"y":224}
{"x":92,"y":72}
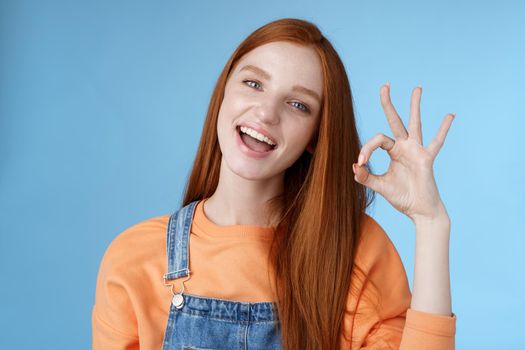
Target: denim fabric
{"x":210,"y":323}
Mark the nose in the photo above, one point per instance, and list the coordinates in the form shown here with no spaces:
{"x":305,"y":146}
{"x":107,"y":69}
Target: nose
{"x":267,"y":111}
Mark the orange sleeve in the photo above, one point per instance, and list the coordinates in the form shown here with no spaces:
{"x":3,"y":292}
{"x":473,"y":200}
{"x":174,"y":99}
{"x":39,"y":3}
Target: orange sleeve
{"x":394,"y":325}
{"x":114,"y":325}
{"x":428,"y":331}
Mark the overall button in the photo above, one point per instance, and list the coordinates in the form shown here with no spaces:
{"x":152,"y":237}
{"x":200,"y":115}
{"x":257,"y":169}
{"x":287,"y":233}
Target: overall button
{"x":178,"y":301}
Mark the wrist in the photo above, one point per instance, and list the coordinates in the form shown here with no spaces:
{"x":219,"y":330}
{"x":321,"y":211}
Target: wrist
{"x":434,"y":221}
{"x":437,"y":217}
{"x":433,"y":226}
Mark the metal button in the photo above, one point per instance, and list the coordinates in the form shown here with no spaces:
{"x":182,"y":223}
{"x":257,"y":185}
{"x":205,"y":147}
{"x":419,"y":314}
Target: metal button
{"x":178,"y":301}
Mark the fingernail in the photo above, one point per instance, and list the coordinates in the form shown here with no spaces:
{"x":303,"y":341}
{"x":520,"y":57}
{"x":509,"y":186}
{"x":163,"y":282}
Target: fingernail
{"x":360,"y":160}
{"x":453,"y":115}
{"x":387,"y":84}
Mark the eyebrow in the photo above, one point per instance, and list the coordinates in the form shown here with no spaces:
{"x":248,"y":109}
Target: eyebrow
{"x":267,"y":76}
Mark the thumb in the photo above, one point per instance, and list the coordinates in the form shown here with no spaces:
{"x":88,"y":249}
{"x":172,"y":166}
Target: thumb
{"x":362,"y":176}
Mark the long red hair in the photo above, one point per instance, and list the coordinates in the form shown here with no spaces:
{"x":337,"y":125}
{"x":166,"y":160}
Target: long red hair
{"x":321,"y":208}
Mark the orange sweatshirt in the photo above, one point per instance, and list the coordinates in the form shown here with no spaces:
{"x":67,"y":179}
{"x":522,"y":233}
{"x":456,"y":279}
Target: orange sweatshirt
{"x":230,"y":262}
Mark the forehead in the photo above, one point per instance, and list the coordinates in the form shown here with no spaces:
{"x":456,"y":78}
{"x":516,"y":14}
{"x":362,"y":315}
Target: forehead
{"x":287,"y":63}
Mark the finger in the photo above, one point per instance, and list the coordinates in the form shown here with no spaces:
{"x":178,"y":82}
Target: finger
{"x":395,"y":122}
{"x":362,"y":176}
{"x":439,"y":139}
{"x":379,"y":140}
{"x":414,"y":123}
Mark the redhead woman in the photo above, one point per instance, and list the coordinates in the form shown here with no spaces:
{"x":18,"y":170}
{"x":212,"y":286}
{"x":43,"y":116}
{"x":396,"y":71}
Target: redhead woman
{"x":271,"y":247}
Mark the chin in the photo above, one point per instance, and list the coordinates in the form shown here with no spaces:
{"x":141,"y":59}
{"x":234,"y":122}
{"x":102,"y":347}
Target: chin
{"x":248,"y":171}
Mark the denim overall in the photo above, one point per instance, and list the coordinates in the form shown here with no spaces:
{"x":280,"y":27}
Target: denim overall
{"x":199,"y":323}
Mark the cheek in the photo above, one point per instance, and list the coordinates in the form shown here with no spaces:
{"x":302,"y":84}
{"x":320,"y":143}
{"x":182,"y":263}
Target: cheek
{"x":238,"y":103}
{"x":295,"y":146}
{"x":226,"y":114}
{"x":300,"y":136}
{"x":232,"y":107}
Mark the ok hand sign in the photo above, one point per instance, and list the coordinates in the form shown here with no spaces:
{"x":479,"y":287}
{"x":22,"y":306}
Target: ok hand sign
{"x":409,"y":183}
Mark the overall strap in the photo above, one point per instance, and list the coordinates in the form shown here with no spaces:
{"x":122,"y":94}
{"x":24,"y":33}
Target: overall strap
{"x":177,"y":242}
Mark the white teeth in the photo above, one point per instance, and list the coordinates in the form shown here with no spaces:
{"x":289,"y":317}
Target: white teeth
{"x":256,"y":135}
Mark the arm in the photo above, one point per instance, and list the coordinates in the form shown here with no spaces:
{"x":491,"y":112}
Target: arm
{"x":397,"y":325}
{"x":409,"y":185}
{"x":431,"y":287}
{"x":430,"y":322}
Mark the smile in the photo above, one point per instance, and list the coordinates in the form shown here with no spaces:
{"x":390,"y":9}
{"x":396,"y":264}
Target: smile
{"x":257,"y":135}
{"x":253,"y":147}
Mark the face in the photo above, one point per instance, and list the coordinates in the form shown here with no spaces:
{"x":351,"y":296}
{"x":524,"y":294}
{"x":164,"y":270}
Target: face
{"x":276,"y":90}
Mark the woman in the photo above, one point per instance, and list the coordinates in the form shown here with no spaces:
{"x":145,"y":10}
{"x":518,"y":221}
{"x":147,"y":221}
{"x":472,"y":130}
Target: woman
{"x":282,"y":254}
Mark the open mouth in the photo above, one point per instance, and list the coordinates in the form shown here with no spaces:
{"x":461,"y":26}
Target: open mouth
{"x":254,"y":144}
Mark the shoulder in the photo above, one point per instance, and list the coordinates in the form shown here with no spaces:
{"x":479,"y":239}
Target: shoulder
{"x":381,"y":265}
{"x":138,"y":244}
{"x":374,"y":246}
{"x":134,"y":256}
{"x":378,"y":291}
{"x":141,"y":232}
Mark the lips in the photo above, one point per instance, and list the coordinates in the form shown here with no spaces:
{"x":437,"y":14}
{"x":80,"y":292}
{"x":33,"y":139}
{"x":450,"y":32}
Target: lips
{"x":240,"y":133}
{"x":259,"y":130}
{"x":247,"y":150}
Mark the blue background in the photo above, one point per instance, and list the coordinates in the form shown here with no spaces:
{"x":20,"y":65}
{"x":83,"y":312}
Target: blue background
{"x":101,"y":109}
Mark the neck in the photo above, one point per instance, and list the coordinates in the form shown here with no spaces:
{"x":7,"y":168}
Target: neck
{"x":239,"y":201}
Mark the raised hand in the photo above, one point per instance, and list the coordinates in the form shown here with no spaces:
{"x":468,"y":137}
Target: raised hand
{"x":409,"y":183}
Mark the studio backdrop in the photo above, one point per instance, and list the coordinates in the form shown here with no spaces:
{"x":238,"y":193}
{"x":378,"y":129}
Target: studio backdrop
{"x":102,"y":105}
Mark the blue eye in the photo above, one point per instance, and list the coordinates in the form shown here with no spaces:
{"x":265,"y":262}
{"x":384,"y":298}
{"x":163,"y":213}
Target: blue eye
{"x":303,"y":108}
{"x":250,"y":81}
